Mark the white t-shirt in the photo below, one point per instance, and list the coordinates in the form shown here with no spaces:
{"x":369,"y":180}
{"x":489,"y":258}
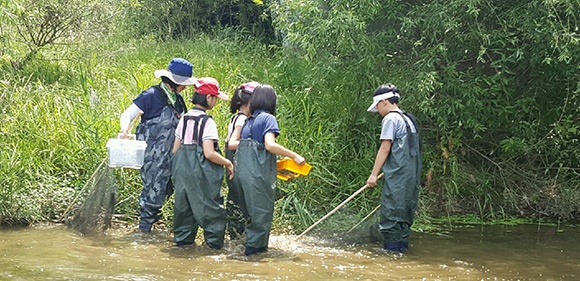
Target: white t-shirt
{"x":240,"y":119}
{"x":210,"y":131}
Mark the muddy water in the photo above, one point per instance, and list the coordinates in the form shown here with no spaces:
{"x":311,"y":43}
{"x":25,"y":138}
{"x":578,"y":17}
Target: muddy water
{"x":529,"y":252}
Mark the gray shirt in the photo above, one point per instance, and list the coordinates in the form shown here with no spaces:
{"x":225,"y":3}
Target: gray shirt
{"x":393,"y":126}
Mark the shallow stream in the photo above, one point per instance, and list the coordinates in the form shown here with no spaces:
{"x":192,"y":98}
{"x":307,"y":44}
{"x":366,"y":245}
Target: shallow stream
{"x":527,"y":252}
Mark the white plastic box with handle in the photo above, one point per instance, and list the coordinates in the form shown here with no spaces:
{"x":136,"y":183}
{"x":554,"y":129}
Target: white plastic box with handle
{"x":126,"y":153}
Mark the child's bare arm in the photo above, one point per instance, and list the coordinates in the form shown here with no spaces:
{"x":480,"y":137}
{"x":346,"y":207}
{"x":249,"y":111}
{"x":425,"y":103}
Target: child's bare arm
{"x":380,"y":159}
{"x":273,"y":147}
{"x":176,"y":145}
{"x":215,"y":157}
{"x":234,"y":140}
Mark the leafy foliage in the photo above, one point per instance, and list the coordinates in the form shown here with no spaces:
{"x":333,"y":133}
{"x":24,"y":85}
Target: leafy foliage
{"x":168,"y":19}
{"x":44,"y":23}
{"x":495,"y":86}
{"x":491,"y":82}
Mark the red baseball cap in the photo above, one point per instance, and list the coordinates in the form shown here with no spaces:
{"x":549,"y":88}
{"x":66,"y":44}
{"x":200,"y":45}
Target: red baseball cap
{"x":209,"y":86}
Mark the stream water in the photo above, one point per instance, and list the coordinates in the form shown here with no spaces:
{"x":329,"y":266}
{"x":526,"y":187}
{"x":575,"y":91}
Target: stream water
{"x":526,"y":252}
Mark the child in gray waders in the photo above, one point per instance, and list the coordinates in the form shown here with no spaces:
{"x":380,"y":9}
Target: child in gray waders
{"x":256,"y":167}
{"x":235,"y":206}
{"x":159,"y":109}
{"x":197,"y":169}
{"x":399,"y":157}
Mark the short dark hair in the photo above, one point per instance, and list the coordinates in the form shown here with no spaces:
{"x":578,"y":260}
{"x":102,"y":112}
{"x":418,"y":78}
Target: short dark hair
{"x":199,"y":99}
{"x":393,"y":100}
{"x":263,"y":98}
{"x":385,"y":88}
{"x":168,"y":81}
{"x":240,"y":98}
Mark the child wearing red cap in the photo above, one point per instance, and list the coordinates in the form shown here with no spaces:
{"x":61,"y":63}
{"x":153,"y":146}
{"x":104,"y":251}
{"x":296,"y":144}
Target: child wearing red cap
{"x":198,"y":170}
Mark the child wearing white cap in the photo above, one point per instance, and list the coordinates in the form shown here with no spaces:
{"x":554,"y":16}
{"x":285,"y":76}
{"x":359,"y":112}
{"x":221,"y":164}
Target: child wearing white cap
{"x":399,"y":157}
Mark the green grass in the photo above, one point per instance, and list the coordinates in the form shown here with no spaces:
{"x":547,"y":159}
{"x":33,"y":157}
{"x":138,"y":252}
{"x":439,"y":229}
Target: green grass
{"x":56,"y":116}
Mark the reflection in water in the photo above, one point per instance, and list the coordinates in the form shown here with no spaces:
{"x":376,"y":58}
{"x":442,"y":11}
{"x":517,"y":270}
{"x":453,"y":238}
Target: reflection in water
{"x":465,"y":253}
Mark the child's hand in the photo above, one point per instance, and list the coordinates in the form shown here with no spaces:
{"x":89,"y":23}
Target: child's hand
{"x":372,"y":181}
{"x":230,"y":168}
{"x":123,"y":134}
{"x":298,"y":159}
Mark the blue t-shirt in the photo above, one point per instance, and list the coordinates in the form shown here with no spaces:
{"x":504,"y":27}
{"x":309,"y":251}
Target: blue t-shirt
{"x":260,"y":123}
{"x":151,"y":102}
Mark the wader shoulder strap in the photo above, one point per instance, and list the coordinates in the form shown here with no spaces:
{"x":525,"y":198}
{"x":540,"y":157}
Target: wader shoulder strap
{"x":197,"y":129}
{"x":233,"y":121}
{"x":413,"y":120}
{"x":410,"y":116}
{"x":251,"y":124}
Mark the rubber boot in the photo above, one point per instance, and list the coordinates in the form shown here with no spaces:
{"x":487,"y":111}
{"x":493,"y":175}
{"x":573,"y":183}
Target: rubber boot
{"x":396,"y":247}
{"x":252,"y":251}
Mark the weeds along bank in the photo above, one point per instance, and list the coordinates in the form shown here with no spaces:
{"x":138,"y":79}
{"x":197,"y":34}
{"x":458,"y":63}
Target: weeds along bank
{"x":56,"y":116}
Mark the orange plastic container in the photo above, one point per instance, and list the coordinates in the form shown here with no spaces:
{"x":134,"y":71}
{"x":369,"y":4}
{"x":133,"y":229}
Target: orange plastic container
{"x":288,"y":169}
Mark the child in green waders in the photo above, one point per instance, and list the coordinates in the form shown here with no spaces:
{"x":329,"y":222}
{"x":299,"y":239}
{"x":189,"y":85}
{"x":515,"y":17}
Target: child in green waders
{"x":399,"y":157}
{"x":197,"y":169}
{"x":235,"y":207}
{"x":256,"y":167}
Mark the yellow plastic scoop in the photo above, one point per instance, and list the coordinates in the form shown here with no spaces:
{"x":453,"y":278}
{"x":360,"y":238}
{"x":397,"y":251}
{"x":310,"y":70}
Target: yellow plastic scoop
{"x":288,"y":169}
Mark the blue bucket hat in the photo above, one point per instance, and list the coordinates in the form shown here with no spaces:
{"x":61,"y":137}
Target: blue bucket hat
{"x":180,"y":71}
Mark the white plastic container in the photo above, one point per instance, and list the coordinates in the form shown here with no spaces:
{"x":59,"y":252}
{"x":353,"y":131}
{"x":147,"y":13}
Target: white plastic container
{"x":126,"y":153}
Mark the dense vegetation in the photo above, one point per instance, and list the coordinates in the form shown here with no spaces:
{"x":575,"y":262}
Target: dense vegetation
{"x":495,"y":85}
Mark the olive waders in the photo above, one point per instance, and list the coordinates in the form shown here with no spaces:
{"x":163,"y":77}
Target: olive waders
{"x":400,"y":191}
{"x":235,"y":204}
{"x":256,"y":169}
{"x":198,"y":199}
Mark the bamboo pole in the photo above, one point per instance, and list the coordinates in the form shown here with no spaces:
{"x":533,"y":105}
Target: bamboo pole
{"x":365,"y":218}
{"x":336,"y":209}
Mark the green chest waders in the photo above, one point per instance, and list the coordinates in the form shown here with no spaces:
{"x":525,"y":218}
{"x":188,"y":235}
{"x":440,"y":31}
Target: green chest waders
{"x":235,"y":205}
{"x":256,"y":169}
{"x":198,"y":200}
{"x":400,"y":192}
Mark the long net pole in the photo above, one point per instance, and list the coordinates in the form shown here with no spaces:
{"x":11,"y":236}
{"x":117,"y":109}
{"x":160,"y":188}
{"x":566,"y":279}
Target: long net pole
{"x":336,"y":209}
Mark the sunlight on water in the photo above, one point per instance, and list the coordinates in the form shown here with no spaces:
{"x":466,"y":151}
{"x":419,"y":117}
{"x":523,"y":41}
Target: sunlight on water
{"x":465,"y":253}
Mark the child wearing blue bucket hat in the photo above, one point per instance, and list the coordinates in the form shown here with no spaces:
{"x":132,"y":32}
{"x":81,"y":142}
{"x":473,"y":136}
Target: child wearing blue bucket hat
{"x":160,"y":107}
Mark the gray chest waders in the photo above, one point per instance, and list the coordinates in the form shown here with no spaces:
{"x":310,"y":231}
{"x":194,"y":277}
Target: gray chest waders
{"x":198,"y":200}
{"x":159,"y":133}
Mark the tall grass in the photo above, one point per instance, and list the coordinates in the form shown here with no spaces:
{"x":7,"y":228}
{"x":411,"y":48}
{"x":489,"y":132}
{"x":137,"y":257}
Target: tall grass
{"x":57,"y":115}
{"x":61,"y":113}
